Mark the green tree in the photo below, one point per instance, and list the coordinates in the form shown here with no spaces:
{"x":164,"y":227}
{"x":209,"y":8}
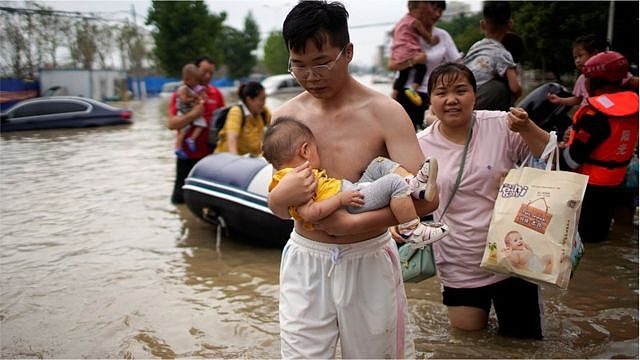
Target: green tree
{"x":239,"y":47}
{"x":464,"y":29}
{"x":84,"y":48}
{"x":276,"y":56}
{"x":548,"y":29}
{"x":183,"y":31}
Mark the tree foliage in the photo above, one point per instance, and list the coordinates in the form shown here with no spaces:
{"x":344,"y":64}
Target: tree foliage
{"x":548,"y":29}
{"x":464,"y":29}
{"x":238,"y":47}
{"x":183,"y":31}
{"x":276,"y":56}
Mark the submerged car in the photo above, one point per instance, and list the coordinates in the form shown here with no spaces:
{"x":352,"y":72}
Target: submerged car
{"x":54,"y":112}
{"x":169,"y":88}
{"x":281,"y":84}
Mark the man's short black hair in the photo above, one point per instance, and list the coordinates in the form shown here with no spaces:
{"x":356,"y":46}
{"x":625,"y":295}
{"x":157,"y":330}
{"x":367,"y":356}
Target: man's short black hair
{"x":203,"y":58}
{"x":319,"y":21}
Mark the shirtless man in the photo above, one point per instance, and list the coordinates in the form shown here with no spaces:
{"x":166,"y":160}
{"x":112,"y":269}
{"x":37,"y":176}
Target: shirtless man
{"x":343,"y":278}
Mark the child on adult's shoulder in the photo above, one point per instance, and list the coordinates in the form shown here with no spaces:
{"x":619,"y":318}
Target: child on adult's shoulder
{"x":491,"y":63}
{"x":288,"y":143}
{"x":188,"y":95}
{"x":406,"y":49}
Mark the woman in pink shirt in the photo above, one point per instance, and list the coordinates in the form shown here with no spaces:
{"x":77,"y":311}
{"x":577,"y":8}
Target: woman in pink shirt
{"x":498,"y":141}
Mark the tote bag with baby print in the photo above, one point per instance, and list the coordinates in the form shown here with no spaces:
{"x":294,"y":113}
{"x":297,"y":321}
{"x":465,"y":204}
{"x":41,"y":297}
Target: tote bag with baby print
{"x":533,"y":230}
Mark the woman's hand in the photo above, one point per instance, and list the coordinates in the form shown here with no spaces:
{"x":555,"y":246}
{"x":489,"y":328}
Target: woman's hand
{"x":399,"y":66}
{"x":518,"y":119}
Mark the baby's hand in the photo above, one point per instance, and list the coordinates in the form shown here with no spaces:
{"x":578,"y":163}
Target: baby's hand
{"x":351,"y":198}
{"x":518,"y":119}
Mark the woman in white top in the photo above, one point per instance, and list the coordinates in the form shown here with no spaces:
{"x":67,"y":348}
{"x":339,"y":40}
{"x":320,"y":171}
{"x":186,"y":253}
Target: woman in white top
{"x":444,"y":51}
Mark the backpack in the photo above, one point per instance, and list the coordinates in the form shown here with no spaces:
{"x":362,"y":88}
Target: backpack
{"x":218,"y":119}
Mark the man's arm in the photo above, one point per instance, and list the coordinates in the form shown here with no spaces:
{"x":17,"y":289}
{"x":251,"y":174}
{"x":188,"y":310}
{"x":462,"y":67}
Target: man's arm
{"x":175,"y":122}
{"x":590,"y":132}
{"x":294,"y":189}
{"x":314,"y":211}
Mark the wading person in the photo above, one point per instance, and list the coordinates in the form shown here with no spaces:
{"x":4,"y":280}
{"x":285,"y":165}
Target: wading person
{"x":176,"y":122}
{"x":341,"y":280}
{"x":497,"y":142}
{"x":602,"y":141}
{"x":245,"y":124}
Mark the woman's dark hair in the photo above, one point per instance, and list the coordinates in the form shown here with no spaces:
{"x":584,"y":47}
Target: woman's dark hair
{"x":591,"y":43}
{"x":449,"y":72}
{"x":316,"y":20}
{"x":249,"y":89}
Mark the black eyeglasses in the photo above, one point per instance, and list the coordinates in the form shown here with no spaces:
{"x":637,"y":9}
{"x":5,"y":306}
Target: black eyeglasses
{"x":319,"y":71}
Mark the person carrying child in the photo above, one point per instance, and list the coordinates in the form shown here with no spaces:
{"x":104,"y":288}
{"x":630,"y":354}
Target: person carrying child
{"x":406,"y":47}
{"x":584,"y":47}
{"x":602,"y":140}
{"x":189,"y":94}
{"x":288,"y":143}
{"x":491,"y":62}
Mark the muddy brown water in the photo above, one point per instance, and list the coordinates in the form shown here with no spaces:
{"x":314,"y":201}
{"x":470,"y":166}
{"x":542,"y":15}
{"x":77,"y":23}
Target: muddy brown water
{"x":96,"y":263}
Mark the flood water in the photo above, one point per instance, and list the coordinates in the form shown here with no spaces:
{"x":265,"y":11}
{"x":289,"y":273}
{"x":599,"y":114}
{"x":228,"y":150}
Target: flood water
{"x":97,"y":263}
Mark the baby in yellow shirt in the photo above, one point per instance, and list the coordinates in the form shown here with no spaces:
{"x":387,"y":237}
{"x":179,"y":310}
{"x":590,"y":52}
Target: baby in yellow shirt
{"x":288,"y":143}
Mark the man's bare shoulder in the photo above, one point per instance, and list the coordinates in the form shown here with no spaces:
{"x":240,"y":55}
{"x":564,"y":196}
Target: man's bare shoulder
{"x":385,"y":107}
{"x":293,"y":107}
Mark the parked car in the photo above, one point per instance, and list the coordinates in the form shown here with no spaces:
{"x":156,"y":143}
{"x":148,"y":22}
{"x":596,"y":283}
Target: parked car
{"x":54,"y":112}
{"x":169,"y":88}
{"x":281,"y":84}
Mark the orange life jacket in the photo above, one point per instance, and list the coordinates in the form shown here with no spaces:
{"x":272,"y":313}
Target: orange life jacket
{"x":607,"y":164}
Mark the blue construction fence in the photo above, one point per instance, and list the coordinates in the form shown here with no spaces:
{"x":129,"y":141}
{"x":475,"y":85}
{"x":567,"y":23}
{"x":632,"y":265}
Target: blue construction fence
{"x":13,"y":91}
{"x":153,"y":84}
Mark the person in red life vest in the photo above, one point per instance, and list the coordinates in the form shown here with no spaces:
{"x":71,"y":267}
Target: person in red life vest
{"x":176,"y":122}
{"x":601,"y":144}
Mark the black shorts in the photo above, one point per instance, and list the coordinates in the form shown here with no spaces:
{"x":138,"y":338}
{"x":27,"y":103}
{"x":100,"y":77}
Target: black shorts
{"x":516,"y":303}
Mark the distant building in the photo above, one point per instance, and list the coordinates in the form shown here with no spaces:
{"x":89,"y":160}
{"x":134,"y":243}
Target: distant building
{"x":95,"y":84}
{"x":455,"y":8}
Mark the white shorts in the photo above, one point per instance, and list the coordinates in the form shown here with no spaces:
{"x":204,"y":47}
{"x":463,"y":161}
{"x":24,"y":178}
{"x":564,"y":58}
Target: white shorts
{"x":353,"y":292}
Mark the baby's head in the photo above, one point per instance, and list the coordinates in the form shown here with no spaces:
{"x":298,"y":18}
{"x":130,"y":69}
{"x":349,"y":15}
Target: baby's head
{"x":288,"y":143}
{"x":513,"y":240}
{"x":191,"y":75}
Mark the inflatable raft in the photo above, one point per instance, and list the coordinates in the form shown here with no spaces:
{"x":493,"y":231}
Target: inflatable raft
{"x":231,"y":191}
{"x":547,"y":115}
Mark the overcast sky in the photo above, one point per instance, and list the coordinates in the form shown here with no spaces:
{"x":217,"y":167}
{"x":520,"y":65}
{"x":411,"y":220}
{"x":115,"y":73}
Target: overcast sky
{"x":270,"y":14}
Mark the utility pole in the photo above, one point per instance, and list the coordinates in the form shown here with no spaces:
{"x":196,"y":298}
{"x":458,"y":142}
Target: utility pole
{"x":612,"y":13}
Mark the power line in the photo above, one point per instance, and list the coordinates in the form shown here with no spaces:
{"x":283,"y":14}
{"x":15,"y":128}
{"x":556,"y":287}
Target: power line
{"x":73,"y":14}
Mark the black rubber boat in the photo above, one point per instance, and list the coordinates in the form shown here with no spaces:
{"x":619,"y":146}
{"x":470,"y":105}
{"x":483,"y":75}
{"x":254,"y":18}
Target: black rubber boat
{"x":231,"y":191}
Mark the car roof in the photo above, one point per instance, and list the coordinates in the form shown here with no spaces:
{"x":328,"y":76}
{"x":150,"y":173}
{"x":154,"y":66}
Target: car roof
{"x":62,"y":98}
